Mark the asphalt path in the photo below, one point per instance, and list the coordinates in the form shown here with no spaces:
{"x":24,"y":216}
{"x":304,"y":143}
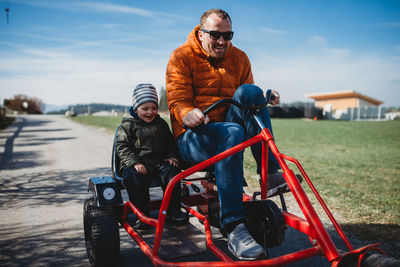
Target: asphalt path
{"x":45,"y":165}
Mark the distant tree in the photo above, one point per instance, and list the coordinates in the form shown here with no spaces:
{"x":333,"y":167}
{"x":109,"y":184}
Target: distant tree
{"x":23,"y":103}
{"x":92,"y":108}
{"x":392,"y":109}
{"x":163,"y":104}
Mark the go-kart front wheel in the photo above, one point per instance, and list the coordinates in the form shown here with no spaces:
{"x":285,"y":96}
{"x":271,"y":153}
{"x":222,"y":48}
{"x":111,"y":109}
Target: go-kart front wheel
{"x":101,"y":234}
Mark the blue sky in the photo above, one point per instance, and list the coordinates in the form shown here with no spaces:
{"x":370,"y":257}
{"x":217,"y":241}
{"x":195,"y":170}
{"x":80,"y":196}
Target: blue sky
{"x":70,"y":52}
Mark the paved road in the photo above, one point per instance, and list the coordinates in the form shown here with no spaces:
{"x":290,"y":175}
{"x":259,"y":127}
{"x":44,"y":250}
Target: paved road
{"x":45,"y":165}
{"x":44,"y":168}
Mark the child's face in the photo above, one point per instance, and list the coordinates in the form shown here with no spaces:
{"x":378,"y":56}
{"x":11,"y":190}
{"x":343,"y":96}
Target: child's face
{"x":147,"y":111}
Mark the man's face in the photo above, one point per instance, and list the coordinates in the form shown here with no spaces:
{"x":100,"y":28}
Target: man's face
{"x":215,"y":48}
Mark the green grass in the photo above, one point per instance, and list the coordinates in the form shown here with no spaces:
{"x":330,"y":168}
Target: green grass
{"x":355,"y":166}
{"x":110,"y":123}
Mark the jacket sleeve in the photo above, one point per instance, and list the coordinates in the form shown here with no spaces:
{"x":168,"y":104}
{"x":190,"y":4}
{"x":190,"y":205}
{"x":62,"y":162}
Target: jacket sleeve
{"x":247,"y":74}
{"x":179,"y":86}
{"x":172,"y":149}
{"x":124,"y":144}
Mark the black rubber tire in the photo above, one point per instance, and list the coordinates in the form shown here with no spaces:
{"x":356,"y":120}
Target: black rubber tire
{"x":372,"y":259}
{"x":101,"y":235}
{"x":380,"y":260}
{"x":265,"y":219}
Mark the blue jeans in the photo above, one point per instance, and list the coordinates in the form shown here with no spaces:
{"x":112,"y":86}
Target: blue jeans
{"x":205,"y":141}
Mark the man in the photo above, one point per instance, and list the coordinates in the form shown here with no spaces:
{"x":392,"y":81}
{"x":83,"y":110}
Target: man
{"x":206,"y":68}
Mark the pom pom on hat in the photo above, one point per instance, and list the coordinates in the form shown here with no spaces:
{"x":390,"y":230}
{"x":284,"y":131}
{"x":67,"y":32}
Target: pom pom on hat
{"x":144,"y":92}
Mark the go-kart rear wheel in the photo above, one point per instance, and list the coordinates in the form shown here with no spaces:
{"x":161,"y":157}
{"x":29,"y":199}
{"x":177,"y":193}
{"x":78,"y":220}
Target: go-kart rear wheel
{"x":101,"y":234}
{"x":370,"y":259}
{"x":265,"y":222}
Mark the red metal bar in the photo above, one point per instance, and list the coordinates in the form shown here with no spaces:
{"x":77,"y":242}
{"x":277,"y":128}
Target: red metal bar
{"x":305,"y":205}
{"x":298,"y":223}
{"x":138,"y":213}
{"x":226,"y":261}
{"x":360,"y":251}
{"x":141,"y":243}
{"x":278,"y":261}
{"x":264,"y":170}
{"x":322,"y":203}
{"x":190,"y":171}
{"x":312,"y":226}
{"x":217,"y":252}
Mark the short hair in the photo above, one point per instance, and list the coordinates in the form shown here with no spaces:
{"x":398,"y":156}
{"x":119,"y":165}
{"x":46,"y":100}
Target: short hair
{"x":219,"y":12}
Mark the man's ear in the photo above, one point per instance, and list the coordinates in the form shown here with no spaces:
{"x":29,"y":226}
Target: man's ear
{"x":200,"y":35}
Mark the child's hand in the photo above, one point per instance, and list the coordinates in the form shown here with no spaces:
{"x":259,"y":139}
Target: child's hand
{"x":140,"y":168}
{"x":172,"y":161}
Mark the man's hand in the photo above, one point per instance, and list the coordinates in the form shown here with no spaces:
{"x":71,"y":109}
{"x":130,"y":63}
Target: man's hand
{"x":195,"y":118}
{"x":277,"y":98}
{"x":140,"y":168}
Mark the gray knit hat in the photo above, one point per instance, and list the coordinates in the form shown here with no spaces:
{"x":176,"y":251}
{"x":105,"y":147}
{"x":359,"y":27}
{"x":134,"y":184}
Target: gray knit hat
{"x":144,"y":92}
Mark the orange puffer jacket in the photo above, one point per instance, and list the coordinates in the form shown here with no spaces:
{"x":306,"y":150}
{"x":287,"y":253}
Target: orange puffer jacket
{"x":194,"y":79}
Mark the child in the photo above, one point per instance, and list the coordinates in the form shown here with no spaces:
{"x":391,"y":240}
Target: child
{"x":147,"y":151}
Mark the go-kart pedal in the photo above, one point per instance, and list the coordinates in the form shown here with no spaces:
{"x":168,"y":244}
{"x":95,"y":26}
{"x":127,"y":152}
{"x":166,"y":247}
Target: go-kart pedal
{"x":276,"y":181}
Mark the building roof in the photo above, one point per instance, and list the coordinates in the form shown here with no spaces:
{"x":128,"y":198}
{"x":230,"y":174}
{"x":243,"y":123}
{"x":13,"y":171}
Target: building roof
{"x":343,"y":94}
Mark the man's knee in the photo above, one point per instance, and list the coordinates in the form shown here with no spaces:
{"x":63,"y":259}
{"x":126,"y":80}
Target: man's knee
{"x":249,"y":93}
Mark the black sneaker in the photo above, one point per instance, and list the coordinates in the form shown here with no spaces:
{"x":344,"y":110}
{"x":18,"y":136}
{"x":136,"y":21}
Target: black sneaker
{"x":141,"y":225}
{"x":276,"y":181}
{"x":177,"y":216}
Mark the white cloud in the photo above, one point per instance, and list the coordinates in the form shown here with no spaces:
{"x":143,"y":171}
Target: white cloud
{"x":113,"y":8}
{"x":294,"y":77}
{"x":43,"y":53}
{"x":93,"y":6}
{"x":317,"y":41}
{"x":393,"y":24}
{"x":339,"y":51}
{"x":63,"y":78}
{"x":274,"y":31}
{"x":320,"y":44}
{"x":74,"y":79}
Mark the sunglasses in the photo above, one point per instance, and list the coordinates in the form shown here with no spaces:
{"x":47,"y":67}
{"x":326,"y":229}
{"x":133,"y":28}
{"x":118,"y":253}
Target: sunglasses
{"x":215,"y":35}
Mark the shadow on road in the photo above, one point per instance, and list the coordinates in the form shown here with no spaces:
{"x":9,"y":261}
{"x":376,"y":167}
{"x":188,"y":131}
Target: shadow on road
{"x":27,"y":159}
{"x":46,"y":188}
{"x":40,"y":243}
{"x":41,"y":247}
{"x":8,"y":146}
{"x":379,"y":233}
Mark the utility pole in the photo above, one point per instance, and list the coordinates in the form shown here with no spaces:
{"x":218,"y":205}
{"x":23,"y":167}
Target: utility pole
{"x":7,"y":10}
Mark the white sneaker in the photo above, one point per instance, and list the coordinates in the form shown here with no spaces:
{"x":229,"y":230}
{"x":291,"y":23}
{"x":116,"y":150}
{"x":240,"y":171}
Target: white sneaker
{"x":242,"y":244}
